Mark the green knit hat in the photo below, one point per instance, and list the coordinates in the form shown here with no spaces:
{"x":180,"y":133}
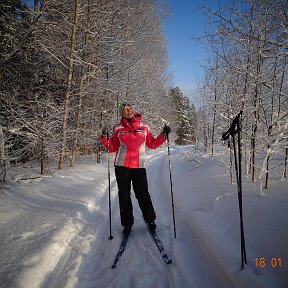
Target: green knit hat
{"x":121,"y":106}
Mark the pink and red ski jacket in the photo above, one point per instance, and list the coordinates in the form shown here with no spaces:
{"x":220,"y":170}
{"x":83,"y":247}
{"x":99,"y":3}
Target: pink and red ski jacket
{"x":129,"y":140}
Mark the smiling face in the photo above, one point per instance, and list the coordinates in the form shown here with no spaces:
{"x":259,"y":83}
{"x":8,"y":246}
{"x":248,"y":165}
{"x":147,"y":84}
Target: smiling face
{"x":128,"y":111}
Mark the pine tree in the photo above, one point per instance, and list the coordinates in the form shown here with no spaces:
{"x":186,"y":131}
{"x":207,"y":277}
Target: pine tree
{"x":185,"y":117}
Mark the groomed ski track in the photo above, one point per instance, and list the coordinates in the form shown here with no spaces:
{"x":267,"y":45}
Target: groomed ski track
{"x":141,"y":264}
{"x":80,"y":253}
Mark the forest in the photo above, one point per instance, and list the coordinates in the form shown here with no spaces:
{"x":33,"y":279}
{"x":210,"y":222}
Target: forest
{"x":247,"y":71}
{"x":65,"y":65}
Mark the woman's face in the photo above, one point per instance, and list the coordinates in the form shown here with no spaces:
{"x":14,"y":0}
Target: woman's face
{"x":128,"y":111}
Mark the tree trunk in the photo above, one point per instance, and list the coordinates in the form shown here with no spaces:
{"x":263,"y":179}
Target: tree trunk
{"x":42,"y":156}
{"x":2,"y":160}
{"x":268,"y":158}
{"x":78,"y":116}
{"x":285,"y":165}
{"x":100,"y":128}
{"x":231,"y":163}
{"x":102,"y":116}
{"x":214,"y":122}
{"x":81,"y":90}
{"x":256,"y":104}
{"x":1,"y":147}
{"x":35,"y":5}
{"x":285,"y":172}
{"x":68,"y":87}
{"x":253,"y":143}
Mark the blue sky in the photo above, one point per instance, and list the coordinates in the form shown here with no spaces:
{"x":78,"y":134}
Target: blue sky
{"x":185,"y":55}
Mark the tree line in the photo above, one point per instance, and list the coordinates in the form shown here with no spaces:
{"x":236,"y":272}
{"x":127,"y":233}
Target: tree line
{"x":247,"y":71}
{"x":67,"y":64}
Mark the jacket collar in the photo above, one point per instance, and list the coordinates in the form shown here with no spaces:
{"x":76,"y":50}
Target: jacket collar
{"x":134,"y":123}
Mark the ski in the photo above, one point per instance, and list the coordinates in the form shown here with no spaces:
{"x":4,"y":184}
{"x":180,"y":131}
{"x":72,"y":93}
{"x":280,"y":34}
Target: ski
{"x":121,"y":249}
{"x":160,"y":246}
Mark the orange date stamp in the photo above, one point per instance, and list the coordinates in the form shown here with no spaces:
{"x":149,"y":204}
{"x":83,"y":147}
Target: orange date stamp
{"x":274,"y":262}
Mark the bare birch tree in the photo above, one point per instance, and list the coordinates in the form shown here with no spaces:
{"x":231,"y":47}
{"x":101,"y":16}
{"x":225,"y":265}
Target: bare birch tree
{"x":69,"y":84}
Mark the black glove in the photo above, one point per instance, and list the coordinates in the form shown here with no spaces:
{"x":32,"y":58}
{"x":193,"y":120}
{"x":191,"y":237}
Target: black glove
{"x":166,"y":130}
{"x":104,"y":131}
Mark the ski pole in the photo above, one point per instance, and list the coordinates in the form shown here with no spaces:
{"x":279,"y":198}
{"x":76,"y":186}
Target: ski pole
{"x":109,"y":189}
{"x":232,"y":131}
{"x":243,"y":248}
{"x":243,"y":252}
{"x":171,"y":186}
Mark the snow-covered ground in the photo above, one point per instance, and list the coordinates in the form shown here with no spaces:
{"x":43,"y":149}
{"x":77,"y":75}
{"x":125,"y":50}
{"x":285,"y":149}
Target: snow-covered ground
{"x":54,"y":232}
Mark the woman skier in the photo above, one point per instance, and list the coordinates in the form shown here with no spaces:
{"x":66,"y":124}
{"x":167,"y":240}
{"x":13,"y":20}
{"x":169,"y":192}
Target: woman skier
{"x":128,"y":140}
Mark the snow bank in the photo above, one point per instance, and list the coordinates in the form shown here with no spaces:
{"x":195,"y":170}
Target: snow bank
{"x":54,"y":233}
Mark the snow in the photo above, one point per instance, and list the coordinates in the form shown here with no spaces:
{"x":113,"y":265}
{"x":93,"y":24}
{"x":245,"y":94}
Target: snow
{"x":54,"y":232}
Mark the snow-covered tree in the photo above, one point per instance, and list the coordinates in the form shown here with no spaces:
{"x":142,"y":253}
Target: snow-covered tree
{"x":52,"y":65}
{"x":247,"y":71}
{"x":185,"y":117}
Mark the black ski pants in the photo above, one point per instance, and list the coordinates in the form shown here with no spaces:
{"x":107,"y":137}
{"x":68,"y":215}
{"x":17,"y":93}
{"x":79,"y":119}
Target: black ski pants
{"x":138,"y":177}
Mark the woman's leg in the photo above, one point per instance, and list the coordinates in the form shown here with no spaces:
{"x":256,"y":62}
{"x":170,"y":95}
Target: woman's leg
{"x":140,"y":186}
{"x":123,"y":178}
